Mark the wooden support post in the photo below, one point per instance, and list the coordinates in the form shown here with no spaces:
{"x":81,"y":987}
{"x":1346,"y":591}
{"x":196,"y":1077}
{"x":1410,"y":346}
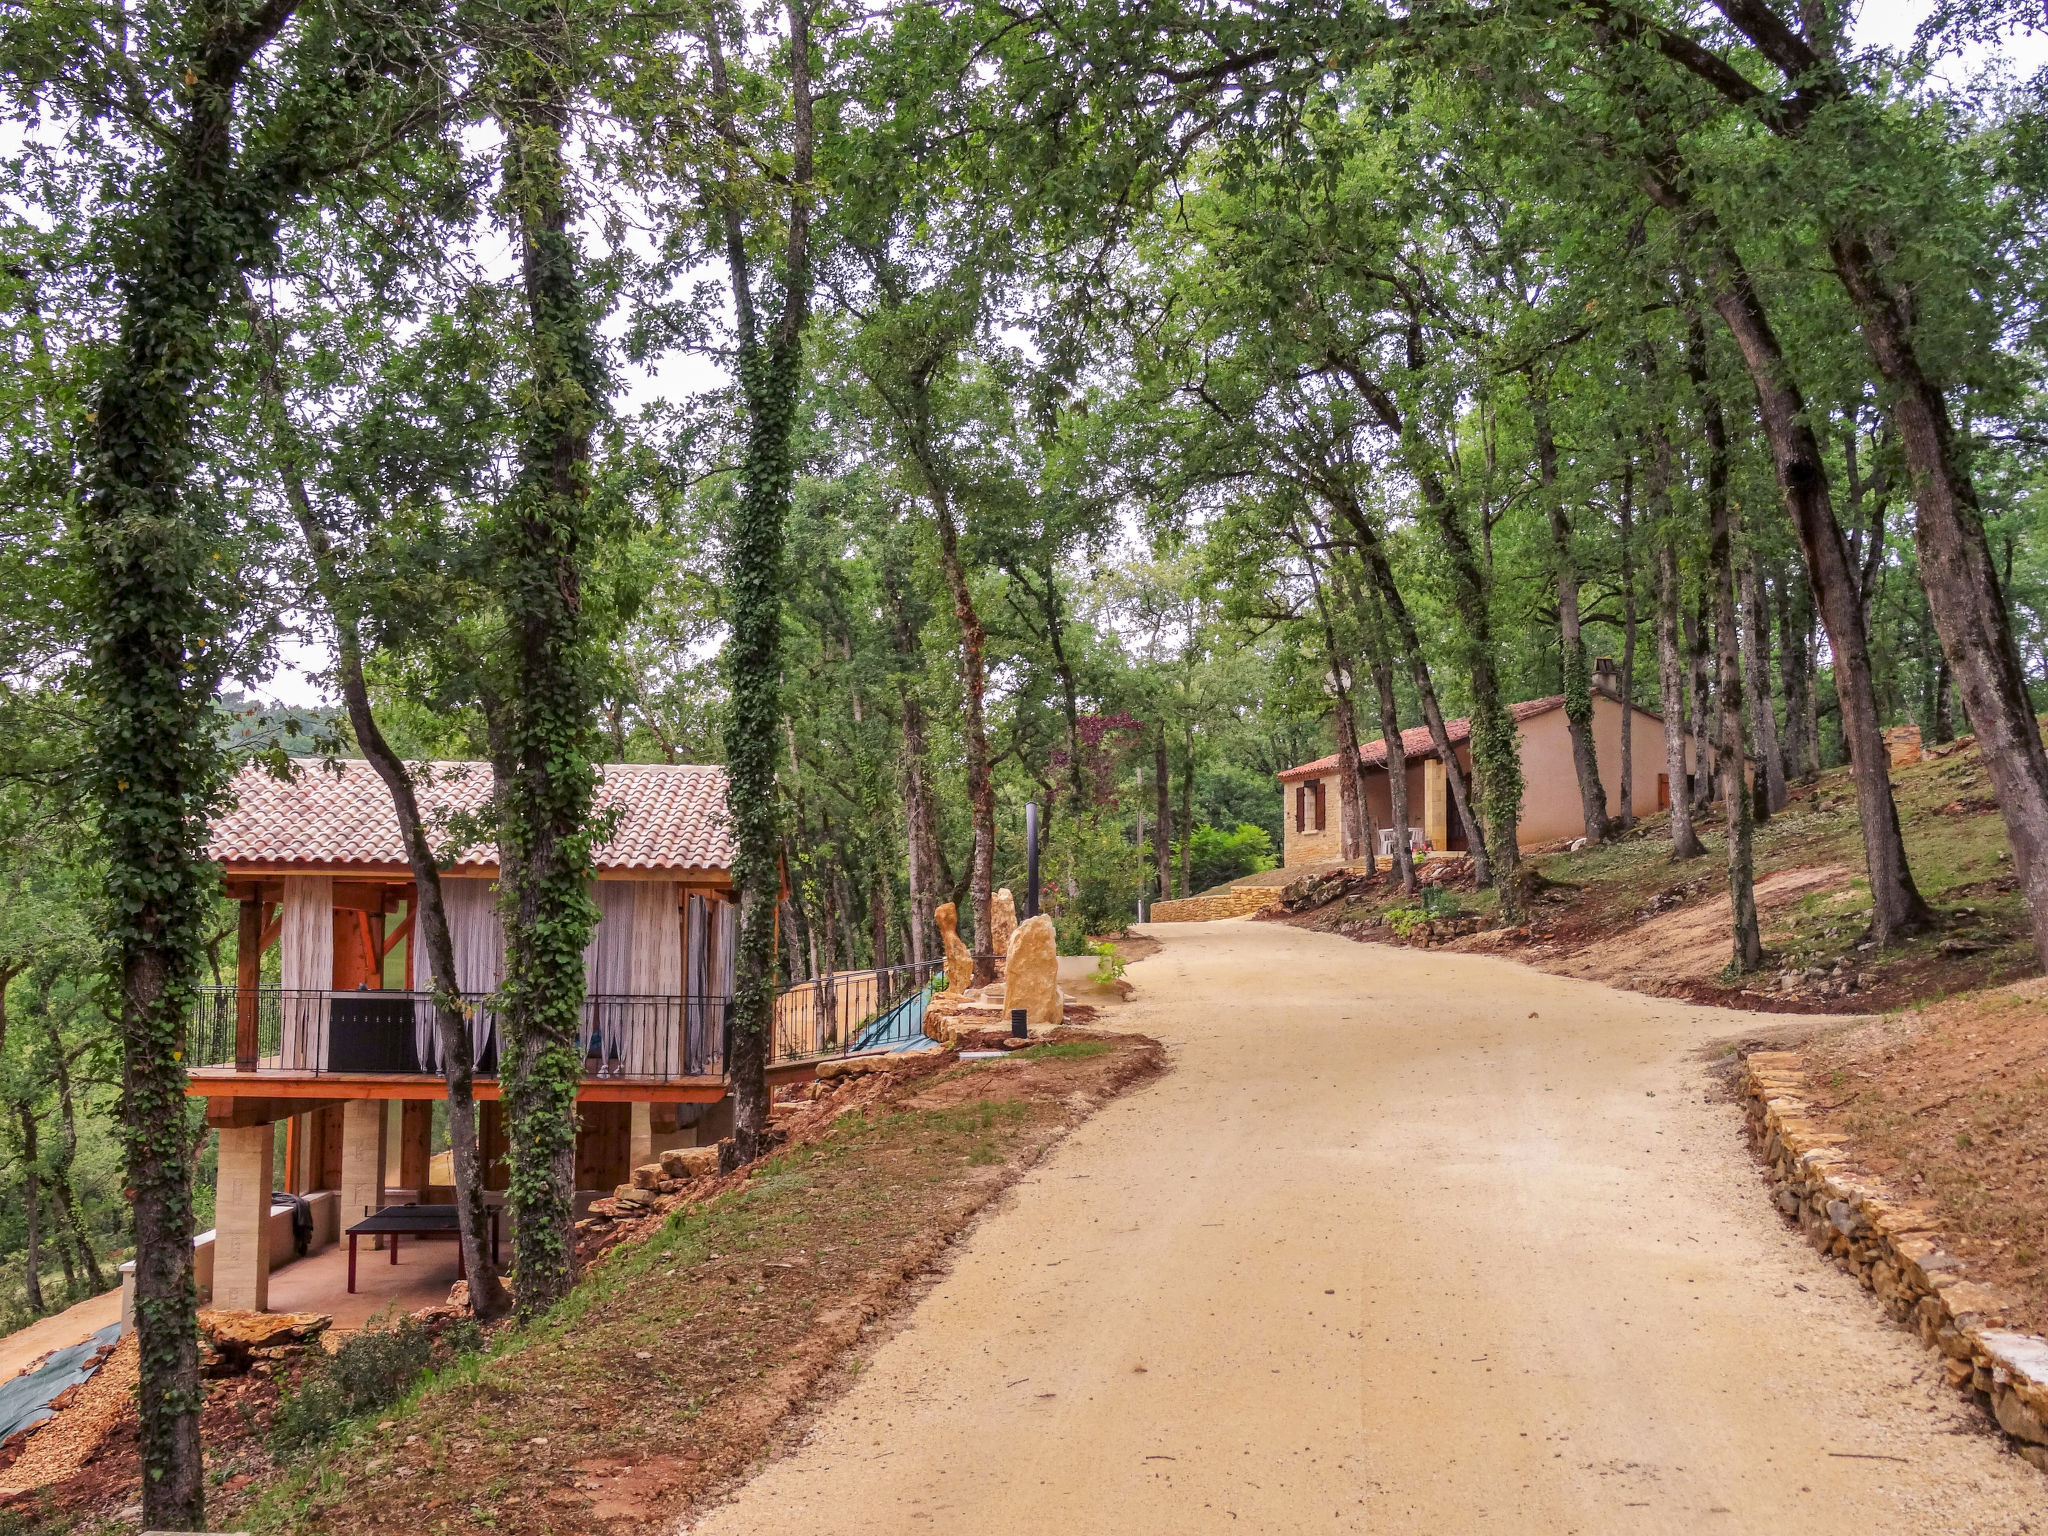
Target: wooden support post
{"x":248,"y":976}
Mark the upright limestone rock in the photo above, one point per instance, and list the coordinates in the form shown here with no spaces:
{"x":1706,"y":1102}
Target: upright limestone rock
{"x":959,"y":959}
{"x":1002,"y":924}
{"x":1031,"y":975}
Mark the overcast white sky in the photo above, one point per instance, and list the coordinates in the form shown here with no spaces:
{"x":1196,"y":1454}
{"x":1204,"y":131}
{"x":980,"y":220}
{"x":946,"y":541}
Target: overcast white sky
{"x":1881,"y":23}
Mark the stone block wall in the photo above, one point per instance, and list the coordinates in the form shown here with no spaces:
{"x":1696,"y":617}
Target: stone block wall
{"x":1891,"y":1245}
{"x":1207,"y":909}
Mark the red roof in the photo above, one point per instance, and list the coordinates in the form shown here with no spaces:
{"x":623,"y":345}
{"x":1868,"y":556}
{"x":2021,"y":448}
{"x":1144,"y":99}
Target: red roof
{"x":670,"y":817}
{"x":1416,"y":743}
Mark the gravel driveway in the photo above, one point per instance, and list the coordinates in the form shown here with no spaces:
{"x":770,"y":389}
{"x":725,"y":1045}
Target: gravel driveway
{"x":1403,"y":1242}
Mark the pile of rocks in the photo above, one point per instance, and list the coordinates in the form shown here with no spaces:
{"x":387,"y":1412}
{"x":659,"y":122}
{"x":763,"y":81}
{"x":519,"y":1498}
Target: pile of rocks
{"x":677,"y":1167}
{"x":1893,"y":1247}
{"x":1837,"y":980}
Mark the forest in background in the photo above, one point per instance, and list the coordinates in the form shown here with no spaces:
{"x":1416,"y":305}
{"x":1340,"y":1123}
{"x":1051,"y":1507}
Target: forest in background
{"x":1098,"y":408}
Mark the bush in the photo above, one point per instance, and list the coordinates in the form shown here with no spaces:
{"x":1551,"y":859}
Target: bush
{"x":1109,"y":965}
{"x":372,"y":1369}
{"x":1217,"y":857}
{"x":1104,"y":871}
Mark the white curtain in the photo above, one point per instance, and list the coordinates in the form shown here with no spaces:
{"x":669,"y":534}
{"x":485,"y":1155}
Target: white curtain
{"x":654,"y":1040}
{"x":306,"y":967}
{"x":607,"y":968}
{"x":478,"y":940}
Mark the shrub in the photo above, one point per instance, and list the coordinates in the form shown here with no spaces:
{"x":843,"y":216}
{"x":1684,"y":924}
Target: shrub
{"x":1217,"y":857}
{"x":1109,"y":965}
{"x":1098,"y":875}
{"x":372,"y":1369}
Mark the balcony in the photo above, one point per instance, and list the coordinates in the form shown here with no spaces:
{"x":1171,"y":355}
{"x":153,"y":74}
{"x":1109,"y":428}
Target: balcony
{"x":627,"y":1040}
{"x":646,"y":1038}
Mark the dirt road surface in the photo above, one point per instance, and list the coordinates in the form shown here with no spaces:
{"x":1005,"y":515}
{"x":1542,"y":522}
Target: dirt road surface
{"x":1404,"y":1242}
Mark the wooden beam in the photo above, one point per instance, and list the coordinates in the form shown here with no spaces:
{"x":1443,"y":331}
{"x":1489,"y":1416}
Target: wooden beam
{"x":224,"y":1083}
{"x":402,"y":931}
{"x":273,"y":925}
{"x":234,"y":1112}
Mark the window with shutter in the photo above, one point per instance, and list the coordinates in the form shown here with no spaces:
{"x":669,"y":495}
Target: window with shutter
{"x":1301,"y":807}
{"x":1319,"y":805}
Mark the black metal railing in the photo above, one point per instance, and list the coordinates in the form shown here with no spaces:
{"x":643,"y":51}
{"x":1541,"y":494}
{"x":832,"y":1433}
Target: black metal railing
{"x":662,"y":1037}
{"x":653,"y":1036}
{"x":847,"y":1012}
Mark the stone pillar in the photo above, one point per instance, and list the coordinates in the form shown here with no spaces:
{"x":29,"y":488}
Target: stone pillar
{"x":640,"y":1141}
{"x":1435,"y":819}
{"x":362,"y":1161}
{"x":241,"y":1219}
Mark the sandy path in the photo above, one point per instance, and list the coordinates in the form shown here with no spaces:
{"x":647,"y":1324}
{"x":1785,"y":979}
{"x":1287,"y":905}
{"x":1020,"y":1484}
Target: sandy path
{"x":1386,"y":1253}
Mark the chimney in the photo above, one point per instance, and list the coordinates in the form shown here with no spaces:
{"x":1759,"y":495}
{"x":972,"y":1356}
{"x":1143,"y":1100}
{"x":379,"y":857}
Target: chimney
{"x":1605,"y":679}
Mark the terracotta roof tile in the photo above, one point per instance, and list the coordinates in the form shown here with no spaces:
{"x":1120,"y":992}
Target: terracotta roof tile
{"x":1416,"y":743}
{"x":671,"y":817}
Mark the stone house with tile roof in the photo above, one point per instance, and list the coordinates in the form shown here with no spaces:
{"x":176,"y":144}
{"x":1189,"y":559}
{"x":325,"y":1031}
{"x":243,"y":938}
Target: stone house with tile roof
{"x":1550,"y":787}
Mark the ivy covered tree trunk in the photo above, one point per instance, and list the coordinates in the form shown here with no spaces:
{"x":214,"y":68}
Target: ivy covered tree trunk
{"x":156,"y":551}
{"x":770,"y":375}
{"x":546,"y":775}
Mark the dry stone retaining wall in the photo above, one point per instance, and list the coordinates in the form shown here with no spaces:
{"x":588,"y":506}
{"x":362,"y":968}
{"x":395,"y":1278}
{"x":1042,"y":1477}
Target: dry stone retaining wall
{"x":1207,"y":909}
{"x":1891,"y":1245}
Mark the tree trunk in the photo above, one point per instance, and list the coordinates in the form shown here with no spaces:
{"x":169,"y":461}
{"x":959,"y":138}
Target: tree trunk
{"x":1763,"y":722}
{"x":770,"y":374}
{"x":1896,"y":907}
{"x":981,"y":800}
{"x":1578,"y":683}
{"x":1351,"y":807}
{"x":1748,"y":949}
{"x":31,"y":1172}
{"x":1685,"y":843}
{"x":547,"y":778}
{"x":1395,"y":606}
{"x":1627,"y":791}
{"x":1162,"y":837}
{"x":1187,"y":811}
{"x":1496,"y":741}
{"x":1801,"y":745}
{"x":918,"y":828}
{"x":67,"y":1152}
{"x":159,"y":617}
{"x":1402,"y":858}
{"x":1956,"y":568}
{"x":1699,"y":644}
{"x":488,"y":1297}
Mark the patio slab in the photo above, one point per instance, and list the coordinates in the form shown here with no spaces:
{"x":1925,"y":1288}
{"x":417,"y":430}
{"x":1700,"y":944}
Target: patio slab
{"x":319,"y":1282}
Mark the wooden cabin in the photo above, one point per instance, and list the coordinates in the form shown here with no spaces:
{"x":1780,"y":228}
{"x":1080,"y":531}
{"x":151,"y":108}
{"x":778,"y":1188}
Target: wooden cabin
{"x":329,"y":1030}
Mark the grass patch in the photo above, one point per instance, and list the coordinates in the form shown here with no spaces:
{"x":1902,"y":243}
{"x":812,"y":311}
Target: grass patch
{"x":1066,"y":1050}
